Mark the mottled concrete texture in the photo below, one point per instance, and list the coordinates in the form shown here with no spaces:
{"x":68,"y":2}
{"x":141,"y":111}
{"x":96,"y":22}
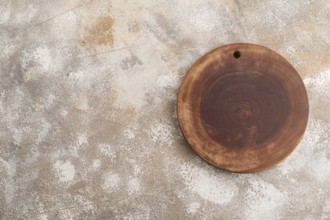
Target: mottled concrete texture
{"x":88,"y":126}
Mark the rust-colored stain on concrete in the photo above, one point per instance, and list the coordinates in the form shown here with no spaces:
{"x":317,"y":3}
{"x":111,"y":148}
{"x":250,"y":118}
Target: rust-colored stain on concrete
{"x":101,"y":33}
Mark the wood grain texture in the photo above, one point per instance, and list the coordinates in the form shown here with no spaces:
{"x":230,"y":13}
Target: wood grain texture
{"x":243,"y":108}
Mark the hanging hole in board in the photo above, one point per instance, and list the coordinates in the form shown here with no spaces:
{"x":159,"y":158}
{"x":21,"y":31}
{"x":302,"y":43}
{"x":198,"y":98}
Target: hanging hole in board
{"x":237,"y":54}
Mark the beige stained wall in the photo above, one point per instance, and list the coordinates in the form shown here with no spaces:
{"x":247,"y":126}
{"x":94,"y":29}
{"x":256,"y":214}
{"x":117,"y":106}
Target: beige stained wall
{"x":88,"y":126}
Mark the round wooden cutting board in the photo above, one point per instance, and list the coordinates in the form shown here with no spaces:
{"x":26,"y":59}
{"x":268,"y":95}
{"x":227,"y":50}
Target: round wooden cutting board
{"x":242,"y":107}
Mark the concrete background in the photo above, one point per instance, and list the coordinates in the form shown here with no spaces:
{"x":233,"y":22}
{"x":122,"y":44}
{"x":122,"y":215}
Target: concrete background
{"x":88,"y":126}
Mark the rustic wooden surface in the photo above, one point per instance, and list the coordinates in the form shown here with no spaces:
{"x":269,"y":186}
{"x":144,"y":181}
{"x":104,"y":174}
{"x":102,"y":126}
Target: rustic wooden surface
{"x":243,"y":107}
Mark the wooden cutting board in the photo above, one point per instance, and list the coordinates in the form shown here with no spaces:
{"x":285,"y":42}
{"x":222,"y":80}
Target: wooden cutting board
{"x":242,"y":107}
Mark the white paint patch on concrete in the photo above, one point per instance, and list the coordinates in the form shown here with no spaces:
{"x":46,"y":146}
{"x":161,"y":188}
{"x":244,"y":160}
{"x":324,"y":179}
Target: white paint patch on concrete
{"x":50,"y":100}
{"x":133,"y":94}
{"x":210,"y":186}
{"x":111,"y":182}
{"x":319,"y":84}
{"x":43,"y":217}
{"x":129,"y":134}
{"x":169,"y":80}
{"x":319,"y":167}
{"x":65,"y":214}
{"x":133,"y":186}
{"x":263,"y":200}
{"x":130,"y":93}
{"x":316,"y":132}
{"x":309,"y":156}
{"x":82,"y":140}
{"x":43,"y":131}
{"x":35,"y":61}
{"x":65,"y":27}
{"x":17,"y":136}
{"x":85,"y":204}
{"x":201,"y":17}
{"x":193,"y":207}
{"x":161,"y":133}
{"x":10,"y":190}
{"x":64,"y":113}
{"x":96,"y":164}
{"x":5,"y":9}
{"x":136,"y":167}
{"x":65,"y":171}
{"x":107,"y":150}
{"x":326,"y":209}
{"x":26,"y":15}
{"x":8,"y":171}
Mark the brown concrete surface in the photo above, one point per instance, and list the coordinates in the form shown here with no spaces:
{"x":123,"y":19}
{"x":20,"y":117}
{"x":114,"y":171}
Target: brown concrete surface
{"x":88,"y":126}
